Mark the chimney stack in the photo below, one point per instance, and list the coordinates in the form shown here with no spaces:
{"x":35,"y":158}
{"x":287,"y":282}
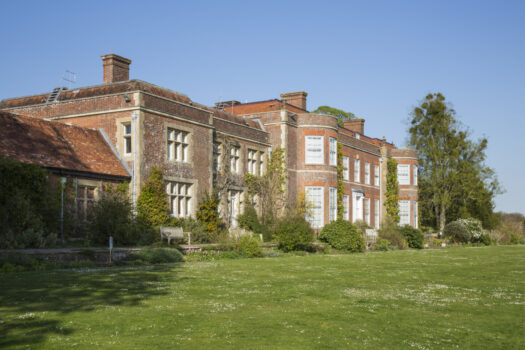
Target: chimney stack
{"x":356,"y":125}
{"x":297,"y":99}
{"x":116,"y":68}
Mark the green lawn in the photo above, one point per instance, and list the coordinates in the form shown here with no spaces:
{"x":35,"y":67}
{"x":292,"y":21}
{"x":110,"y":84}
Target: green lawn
{"x":461,"y":298}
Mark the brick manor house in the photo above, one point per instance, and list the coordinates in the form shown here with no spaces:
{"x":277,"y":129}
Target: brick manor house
{"x":119,"y":130}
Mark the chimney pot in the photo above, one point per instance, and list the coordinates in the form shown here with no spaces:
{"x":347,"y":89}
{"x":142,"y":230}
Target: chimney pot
{"x":116,"y":68}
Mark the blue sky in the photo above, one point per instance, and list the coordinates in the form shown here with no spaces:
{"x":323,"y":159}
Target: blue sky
{"x":377,"y":59}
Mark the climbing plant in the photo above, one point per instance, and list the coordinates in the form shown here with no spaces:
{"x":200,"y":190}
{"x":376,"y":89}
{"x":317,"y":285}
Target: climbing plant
{"x":152,"y":202}
{"x":269,"y":188}
{"x":392,"y":191}
{"x":340,"y":185}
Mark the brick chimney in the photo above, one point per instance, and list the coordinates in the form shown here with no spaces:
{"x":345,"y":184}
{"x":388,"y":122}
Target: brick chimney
{"x":297,"y":99}
{"x":116,"y":68}
{"x":356,"y":125}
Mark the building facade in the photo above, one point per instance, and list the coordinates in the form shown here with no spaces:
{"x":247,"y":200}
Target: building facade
{"x":202,"y":149}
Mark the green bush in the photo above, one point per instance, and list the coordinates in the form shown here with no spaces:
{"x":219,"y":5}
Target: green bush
{"x":342,"y":235}
{"x":250,"y":221}
{"x":514,"y":238}
{"x":111,"y":216}
{"x":465,"y":231}
{"x":293,"y":233}
{"x":157,"y":255}
{"x":208,"y":215}
{"x":383,"y":245}
{"x":389,"y":231}
{"x":413,"y":236}
{"x":485,"y":239}
{"x":250,"y":245}
{"x":152,"y":202}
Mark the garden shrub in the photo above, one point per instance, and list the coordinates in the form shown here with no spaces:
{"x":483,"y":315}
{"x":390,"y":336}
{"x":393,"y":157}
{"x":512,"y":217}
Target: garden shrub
{"x":391,"y":233}
{"x":293,"y":233}
{"x":29,"y":206}
{"x":152,"y":204}
{"x":342,"y":235}
{"x":250,"y":221}
{"x":250,"y":245}
{"x":465,"y":231}
{"x":208,"y":215}
{"x":383,"y":245}
{"x":514,"y":238}
{"x":413,"y":236}
{"x":157,"y":255}
{"x":111,"y":215}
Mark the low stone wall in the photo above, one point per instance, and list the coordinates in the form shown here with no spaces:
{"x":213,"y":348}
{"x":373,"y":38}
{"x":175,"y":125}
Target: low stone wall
{"x":99,"y":256}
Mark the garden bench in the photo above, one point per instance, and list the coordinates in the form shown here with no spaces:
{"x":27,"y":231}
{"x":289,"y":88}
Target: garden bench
{"x":174,"y":233}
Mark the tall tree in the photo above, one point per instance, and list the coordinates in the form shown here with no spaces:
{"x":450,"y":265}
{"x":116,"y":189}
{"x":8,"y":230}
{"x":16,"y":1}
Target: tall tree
{"x":454,"y":182}
{"x":340,"y":114}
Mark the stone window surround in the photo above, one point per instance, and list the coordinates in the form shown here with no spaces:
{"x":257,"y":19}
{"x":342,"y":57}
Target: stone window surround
{"x":175,"y":126}
{"x":194,"y":190}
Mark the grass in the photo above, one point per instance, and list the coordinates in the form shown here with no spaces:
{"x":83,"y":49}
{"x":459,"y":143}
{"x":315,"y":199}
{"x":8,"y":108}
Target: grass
{"x":459,"y":298}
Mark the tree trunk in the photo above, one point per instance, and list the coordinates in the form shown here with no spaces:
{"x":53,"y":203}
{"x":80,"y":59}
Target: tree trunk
{"x":442,"y":218}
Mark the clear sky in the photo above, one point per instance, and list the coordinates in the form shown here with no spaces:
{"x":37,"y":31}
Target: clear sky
{"x":377,"y":59}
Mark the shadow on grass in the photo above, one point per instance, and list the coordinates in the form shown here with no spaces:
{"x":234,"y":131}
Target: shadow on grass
{"x":26,"y":298}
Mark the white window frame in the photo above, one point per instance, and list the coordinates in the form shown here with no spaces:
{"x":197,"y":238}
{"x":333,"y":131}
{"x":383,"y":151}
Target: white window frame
{"x":332,"y":202}
{"x":346,"y":168}
{"x":404,"y":212}
{"x":414,"y":169}
{"x":367,"y":210}
{"x":357,"y":205}
{"x":315,"y":198}
{"x":235,"y":159}
{"x":357,"y":170}
{"x":313,"y":149}
{"x":367,"y":173}
{"x":333,"y":151}
{"x":416,"y":224}
{"x":252,"y":161}
{"x":179,"y":198}
{"x":376,"y":175}
{"x":346,"y":207}
{"x":403,"y":174}
{"x":127,"y":138}
{"x":376,"y":213}
{"x":261,"y":163}
{"x":178,"y":143}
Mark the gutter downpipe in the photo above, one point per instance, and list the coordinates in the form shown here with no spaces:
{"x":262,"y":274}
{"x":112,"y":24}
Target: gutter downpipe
{"x":134,"y":172}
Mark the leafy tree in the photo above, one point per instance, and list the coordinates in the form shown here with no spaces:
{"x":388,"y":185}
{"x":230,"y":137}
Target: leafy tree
{"x":454,"y":182}
{"x":152,"y":202}
{"x":392,"y":191}
{"x":340,"y":114}
{"x":269,"y":188}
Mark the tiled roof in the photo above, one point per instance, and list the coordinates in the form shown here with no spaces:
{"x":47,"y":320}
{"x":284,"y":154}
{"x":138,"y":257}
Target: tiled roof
{"x":57,"y":145}
{"x":261,"y":107}
{"x":235,"y":119}
{"x":97,"y":90}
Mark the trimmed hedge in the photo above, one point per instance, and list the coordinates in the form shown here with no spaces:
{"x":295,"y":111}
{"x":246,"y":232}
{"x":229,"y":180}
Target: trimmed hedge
{"x":342,"y":235}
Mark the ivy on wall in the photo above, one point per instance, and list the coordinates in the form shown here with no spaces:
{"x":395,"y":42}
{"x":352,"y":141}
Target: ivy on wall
{"x":392,"y":191}
{"x":152,"y":202}
{"x":340,"y":185}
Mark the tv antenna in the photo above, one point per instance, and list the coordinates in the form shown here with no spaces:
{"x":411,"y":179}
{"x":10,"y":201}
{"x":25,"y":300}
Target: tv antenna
{"x":70,"y":77}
